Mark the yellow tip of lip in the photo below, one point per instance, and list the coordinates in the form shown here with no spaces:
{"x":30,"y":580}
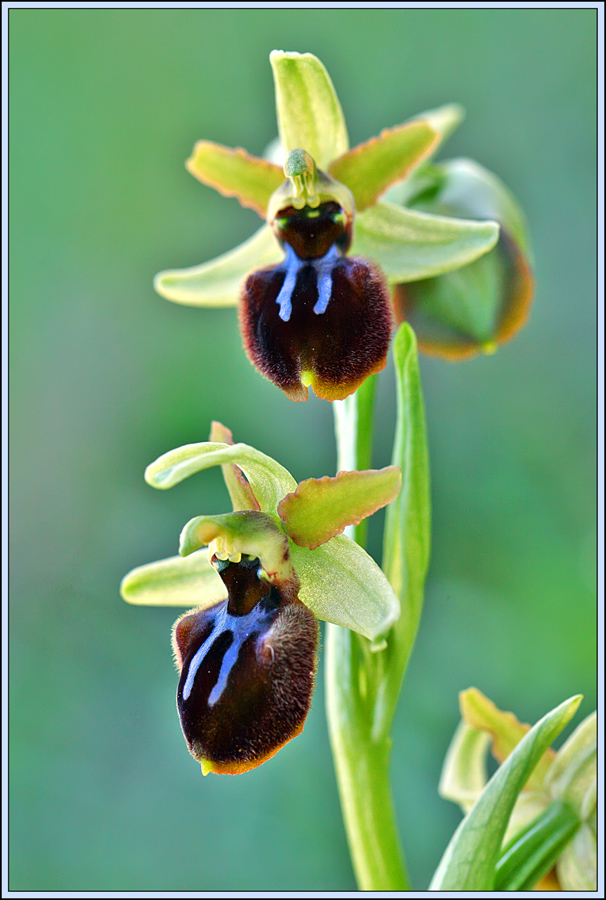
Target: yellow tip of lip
{"x":206,"y":766}
{"x":489,"y":347}
{"x":307,"y":377}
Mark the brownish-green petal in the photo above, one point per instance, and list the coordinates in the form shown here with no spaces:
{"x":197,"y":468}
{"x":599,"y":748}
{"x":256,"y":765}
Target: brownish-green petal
{"x":320,"y":508}
{"x":370,"y":168}
{"x":235,"y":173}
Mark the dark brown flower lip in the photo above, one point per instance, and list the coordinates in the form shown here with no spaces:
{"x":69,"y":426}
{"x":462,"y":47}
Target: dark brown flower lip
{"x":247,"y":675}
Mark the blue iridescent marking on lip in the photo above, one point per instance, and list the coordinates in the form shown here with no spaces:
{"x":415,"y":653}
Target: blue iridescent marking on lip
{"x":324,"y":268}
{"x":194,"y":665}
{"x":292,"y":265}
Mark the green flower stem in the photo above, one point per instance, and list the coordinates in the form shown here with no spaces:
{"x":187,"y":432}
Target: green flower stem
{"x":361,"y":754}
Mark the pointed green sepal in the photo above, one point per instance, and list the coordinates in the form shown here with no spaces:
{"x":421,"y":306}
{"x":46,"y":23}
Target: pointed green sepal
{"x":249,"y":533}
{"x":469,"y":862}
{"x":370,"y":168}
{"x":268,"y":479}
{"x":235,"y":173}
{"x":308,"y":109}
{"x":321,"y":508}
{"x":174,"y":582}
{"x":219,"y":282}
{"x":411,"y":245}
{"x":342,"y":584}
{"x":464,"y":774}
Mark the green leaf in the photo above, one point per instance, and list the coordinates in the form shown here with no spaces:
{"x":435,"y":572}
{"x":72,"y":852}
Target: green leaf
{"x":464,"y":775}
{"x":240,"y":491}
{"x":247,"y":532}
{"x":175,"y":582}
{"x":234,"y":173}
{"x":469,"y":861}
{"x":321,"y":508}
{"x":340,"y":583}
{"x":534,"y":852}
{"x":219,"y":282}
{"x":408,"y":520}
{"x":309,"y":113}
{"x":370,"y":168}
{"x":505,"y":730}
{"x":410,"y":245}
{"x":269,"y":480}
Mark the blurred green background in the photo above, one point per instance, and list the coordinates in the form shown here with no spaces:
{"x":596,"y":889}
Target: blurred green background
{"x":105,"y":107}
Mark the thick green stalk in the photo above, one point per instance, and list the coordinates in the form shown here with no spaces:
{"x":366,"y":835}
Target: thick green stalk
{"x":361,"y":755}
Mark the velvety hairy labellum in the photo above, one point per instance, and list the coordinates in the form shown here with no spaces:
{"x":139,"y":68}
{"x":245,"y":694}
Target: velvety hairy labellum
{"x":319,"y":318}
{"x":247,"y":671}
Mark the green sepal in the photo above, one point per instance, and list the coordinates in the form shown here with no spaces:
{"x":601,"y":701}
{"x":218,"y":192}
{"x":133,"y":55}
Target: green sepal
{"x":410,"y":245}
{"x":321,"y":508}
{"x":268,"y":479}
{"x":174,"y":582}
{"x":469,"y":862}
{"x":370,"y":168}
{"x":235,"y":173}
{"x":219,"y":281}
{"x":247,"y":532}
{"x":308,"y":109}
{"x":342,"y":584}
{"x":464,"y":774}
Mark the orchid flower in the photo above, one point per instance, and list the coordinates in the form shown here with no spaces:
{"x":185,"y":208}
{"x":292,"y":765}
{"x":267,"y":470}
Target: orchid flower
{"x":314,"y":283}
{"x":258,"y":579}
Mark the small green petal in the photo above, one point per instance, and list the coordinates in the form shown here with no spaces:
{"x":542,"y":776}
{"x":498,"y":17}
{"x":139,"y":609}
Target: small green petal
{"x":240,"y":491}
{"x":321,"y":508}
{"x":234,"y":173}
{"x":370,"y":168}
{"x":219,"y":282}
{"x":464,"y":775}
{"x":340,"y":583}
{"x":175,"y":582}
{"x":506,"y":732}
{"x":469,"y":862}
{"x":410,"y":245}
{"x":269,"y":480}
{"x":308,"y":109}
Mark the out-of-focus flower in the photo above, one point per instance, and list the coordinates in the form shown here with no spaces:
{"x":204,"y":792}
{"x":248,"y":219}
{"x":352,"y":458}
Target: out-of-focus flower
{"x":562,"y":787}
{"x":313,"y":283}
{"x":246,"y":652}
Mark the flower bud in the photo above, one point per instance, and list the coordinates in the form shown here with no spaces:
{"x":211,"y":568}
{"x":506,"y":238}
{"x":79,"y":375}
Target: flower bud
{"x":247,"y":670}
